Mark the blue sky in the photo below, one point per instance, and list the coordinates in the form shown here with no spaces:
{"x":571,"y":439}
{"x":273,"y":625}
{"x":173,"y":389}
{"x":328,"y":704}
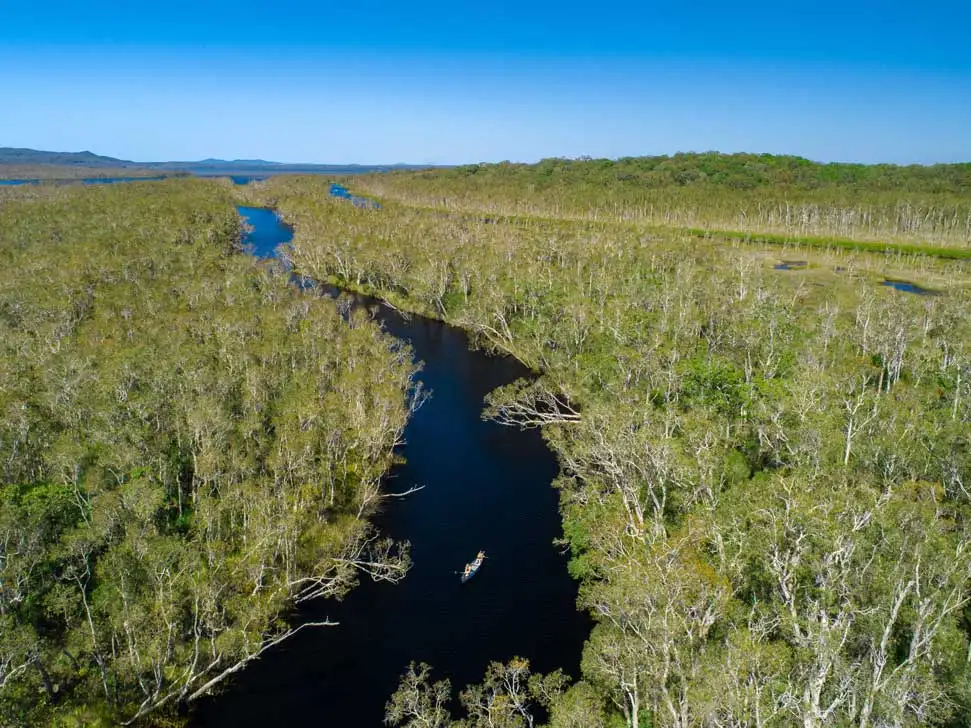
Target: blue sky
{"x":456,"y":82}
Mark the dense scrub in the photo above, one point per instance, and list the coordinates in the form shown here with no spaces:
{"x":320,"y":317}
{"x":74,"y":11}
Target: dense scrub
{"x":766,"y":473}
{"x":188,"y":446}
{"x":746,"y":192}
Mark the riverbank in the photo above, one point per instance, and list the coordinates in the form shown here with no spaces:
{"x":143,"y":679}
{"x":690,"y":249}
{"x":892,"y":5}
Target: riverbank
{"x":485,"y":487}
{"x":192,"y":447}
{"x":723,"y":392}
{"x":403,"y":303}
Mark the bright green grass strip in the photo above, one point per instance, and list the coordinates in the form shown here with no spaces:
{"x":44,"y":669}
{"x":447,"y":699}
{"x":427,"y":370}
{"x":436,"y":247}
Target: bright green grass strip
{"x":869,"y":246}
{"x":936,"y":251}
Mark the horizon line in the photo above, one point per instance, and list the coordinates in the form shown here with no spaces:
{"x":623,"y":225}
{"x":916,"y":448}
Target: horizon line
{"x":213,"y":161}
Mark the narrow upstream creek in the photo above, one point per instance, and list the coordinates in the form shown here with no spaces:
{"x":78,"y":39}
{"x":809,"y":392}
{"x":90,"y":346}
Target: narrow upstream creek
{"x":486,"y":487}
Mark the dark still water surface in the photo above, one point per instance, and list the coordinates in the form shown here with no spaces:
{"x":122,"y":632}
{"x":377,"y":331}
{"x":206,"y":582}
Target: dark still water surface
{"x":487,"y":487}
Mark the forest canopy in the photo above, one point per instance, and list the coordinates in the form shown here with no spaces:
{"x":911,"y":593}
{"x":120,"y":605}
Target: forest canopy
{"x":751,"y":193}
{"x":736,"y":171}
{"x":765,"y":464}
{"x":189,"y":446}
{"x":763,"y":432}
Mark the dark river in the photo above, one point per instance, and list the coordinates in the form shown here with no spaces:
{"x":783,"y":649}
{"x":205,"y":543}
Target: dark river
{"x":486,"y":487}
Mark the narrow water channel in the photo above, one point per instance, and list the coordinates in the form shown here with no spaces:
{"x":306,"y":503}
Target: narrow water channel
{"x":486,"y":487}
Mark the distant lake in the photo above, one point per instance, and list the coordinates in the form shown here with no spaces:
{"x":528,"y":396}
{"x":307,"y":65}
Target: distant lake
{"x":245,"y":179}
{"x":266,"y":231}
{"x":112,"y":180}
{"x":83,"y":180}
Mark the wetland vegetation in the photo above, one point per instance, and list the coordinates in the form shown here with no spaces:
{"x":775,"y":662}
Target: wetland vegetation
{"x":190,"y":446}
{"x":764,"y":473}
{"x":762,"y":432}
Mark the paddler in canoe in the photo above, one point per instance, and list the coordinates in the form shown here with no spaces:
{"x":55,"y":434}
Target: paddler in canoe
{"x":470,"y":569}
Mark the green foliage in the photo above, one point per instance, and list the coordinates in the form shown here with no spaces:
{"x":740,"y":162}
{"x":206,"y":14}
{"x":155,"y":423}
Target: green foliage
{"x":769,"y":198}
{"x":715,"y":384}
{"x":736,"y":468}
{"x":739,"y":171}
{"x":764,"y":473}
{"x":510,"y":696}
{"x":188,"y":446}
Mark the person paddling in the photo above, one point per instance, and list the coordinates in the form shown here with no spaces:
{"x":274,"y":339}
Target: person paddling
{"x":469,"y":571}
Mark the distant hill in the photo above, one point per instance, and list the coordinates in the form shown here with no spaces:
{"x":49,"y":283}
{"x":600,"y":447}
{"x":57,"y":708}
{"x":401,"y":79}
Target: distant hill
{"x":27,"y":157}
{"x":32,"y":157}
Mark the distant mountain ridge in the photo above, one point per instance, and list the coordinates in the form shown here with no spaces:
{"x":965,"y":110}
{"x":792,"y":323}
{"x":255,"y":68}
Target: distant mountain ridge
{"x":12,"y":155}
{"x":33,"y":157}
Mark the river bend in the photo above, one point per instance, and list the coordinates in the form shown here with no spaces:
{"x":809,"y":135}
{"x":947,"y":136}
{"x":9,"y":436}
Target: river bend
{"x":486,"y":487}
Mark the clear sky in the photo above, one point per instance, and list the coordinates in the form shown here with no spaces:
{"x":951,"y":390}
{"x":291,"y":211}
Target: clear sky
{"x":448,"y":82}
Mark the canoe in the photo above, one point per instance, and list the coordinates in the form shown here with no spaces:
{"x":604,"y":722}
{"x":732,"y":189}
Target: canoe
{"x":471,"y":569}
